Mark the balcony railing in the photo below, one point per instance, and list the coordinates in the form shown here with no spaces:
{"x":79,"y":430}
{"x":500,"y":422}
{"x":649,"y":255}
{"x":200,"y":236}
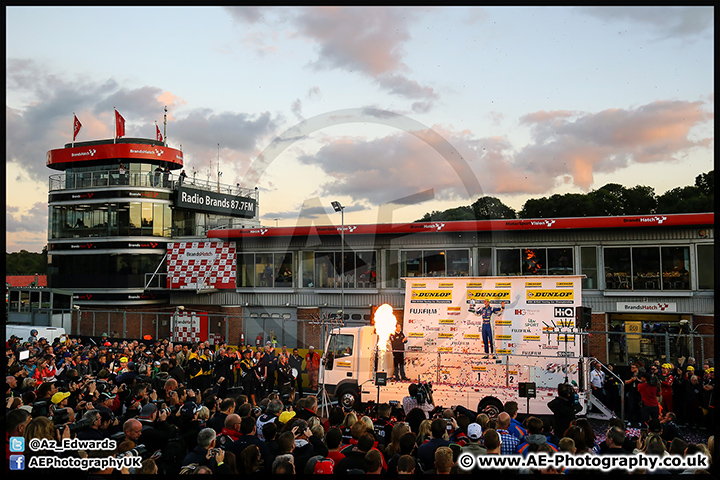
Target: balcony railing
{"x":112,"y":178}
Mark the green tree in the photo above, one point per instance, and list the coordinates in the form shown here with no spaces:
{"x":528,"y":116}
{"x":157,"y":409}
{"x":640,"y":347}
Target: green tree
{"x":608,"y":200}
{"x":688,"y":199}
{"x":488,"y":208}
{"x":26,"y":263}
{"x":706,"y":183}
{"x":640,"y":200}
{"x":484,"y":208}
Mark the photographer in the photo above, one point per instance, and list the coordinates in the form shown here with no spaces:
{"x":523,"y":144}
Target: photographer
{"x":419,"y":396}
{"x":564,"y":408}
{"x":156,"y":431}
{"x":205,"y":452}
{"x":92,"y":430}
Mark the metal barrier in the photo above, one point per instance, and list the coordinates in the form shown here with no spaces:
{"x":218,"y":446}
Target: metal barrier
{"x":135,"y":324}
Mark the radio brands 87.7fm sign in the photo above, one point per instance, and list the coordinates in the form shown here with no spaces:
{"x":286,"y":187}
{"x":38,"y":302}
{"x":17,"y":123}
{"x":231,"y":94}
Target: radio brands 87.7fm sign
{"x":214,"y":202}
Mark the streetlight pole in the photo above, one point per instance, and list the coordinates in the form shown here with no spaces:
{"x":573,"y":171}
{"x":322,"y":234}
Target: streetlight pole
{"x":339,"y":208}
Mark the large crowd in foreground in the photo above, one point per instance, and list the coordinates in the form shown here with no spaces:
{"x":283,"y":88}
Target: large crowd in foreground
{"x":190,"y":409}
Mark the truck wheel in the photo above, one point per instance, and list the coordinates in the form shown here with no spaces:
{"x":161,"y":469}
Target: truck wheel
{"x":490,"y":406}
{"x":349,"y":397}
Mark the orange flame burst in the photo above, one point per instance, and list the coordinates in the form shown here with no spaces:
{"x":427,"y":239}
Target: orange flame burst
{"x":534,"y":265}
{"x":385,"y":324}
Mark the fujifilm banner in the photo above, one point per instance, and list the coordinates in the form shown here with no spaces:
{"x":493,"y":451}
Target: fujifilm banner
{"x":213,"y":202}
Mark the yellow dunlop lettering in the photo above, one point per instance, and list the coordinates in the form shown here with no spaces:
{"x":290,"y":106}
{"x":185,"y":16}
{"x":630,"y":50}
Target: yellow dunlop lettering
{"x":418,"y":285}
{"x":504,"y":337}
{"x":447,"y":321}
{"x":488,"y":294}
{"x":504,"y":351}
{"x":565,"y":284}
{"x":502,"y":285}
{"x":477,"y":368}
{"x":550,"y":294}
{"x":343,"y":364}
{"x":445,"y":349}
{"x":445,"y":285}
{"x":531,"y":338}
{"x":446,"y":335}
{"x":503,"y":322}
{"x":471,"y":335}
{"x":431,"y":294}
{"x":416,"y":335}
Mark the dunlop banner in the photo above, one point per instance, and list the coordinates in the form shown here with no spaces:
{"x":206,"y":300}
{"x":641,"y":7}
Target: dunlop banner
{"x":538,"y":322}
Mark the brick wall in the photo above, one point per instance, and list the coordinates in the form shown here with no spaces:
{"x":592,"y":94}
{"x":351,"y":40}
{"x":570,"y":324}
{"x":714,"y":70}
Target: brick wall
{"x":597,"y":344}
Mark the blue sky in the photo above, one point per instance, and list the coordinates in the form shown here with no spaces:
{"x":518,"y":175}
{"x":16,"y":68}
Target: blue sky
{"x":532,"y":101}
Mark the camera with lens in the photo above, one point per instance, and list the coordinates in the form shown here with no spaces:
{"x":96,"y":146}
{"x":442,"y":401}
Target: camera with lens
{"x":60,"y":416}
{"x":135,"y":452}
{"x":40,"y":409}
{"x":424,"y":394}
{"x":75,"y":427}
{"x":171,"y":410}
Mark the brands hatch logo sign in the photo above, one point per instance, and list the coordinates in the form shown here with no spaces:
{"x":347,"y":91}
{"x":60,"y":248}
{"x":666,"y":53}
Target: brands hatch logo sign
{"x":159,"y":152}
{"x":646,"y":307}
{"x":89,"y":153}
{"x":659,"y":219}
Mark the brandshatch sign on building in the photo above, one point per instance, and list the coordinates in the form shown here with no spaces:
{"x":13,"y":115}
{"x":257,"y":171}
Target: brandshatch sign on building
{"x":214,"y":202}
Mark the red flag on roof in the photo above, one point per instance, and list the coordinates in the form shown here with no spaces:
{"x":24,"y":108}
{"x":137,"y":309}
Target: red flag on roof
{"x":159,"y":135}
{"x":119,"y":125}
{"x":76,"y":127}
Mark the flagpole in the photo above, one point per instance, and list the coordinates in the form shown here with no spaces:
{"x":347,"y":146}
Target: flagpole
{"x":115,"y":119}
{"x":73,"y":126}
{"x":165,"y":127}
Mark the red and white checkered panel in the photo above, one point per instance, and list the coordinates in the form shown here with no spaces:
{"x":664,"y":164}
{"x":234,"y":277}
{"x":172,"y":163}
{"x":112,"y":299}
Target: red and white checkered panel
{"x":188,"y":263}
{"x":190,"y":327}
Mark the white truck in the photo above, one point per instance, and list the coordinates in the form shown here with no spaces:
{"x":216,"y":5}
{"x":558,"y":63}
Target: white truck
{"x":535,"y":339}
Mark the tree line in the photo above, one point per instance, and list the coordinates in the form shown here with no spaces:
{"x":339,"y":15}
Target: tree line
{"x":608,"y":200}
{"x":26,"y":263}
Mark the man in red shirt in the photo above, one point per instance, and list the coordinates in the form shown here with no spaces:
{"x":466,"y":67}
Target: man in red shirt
{"x":312,"y":365}
{"x":648,"y":393}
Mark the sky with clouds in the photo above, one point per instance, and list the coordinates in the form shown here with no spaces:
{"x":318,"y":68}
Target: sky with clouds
{"x":394,"y":112}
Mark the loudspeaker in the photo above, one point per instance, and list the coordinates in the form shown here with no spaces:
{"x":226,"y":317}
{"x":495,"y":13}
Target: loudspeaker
{"x":583,"y":317}
{"x":526,"y":390}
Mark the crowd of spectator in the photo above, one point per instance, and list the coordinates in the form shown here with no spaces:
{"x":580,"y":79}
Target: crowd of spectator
{"x":192,"y":409}
{"x":652,"y":391}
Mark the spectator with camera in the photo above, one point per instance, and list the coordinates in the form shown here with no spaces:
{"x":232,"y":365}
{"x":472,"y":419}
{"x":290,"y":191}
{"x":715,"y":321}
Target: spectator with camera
{"x":205,"y":452}
{"x":419,"y":396}
{"x":91,"y":431}
{"x":564,"y":408}
{"x":248,"y":436}
{"x":156,"y":431}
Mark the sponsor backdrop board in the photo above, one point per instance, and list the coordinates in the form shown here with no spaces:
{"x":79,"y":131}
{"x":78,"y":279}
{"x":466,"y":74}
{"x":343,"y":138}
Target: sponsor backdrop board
{"x":533,"y":335}
{"x":204,"y":264}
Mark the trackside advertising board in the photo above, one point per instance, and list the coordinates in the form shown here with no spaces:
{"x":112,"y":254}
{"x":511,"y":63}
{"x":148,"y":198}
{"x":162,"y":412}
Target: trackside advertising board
{"x":534,"y":336}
